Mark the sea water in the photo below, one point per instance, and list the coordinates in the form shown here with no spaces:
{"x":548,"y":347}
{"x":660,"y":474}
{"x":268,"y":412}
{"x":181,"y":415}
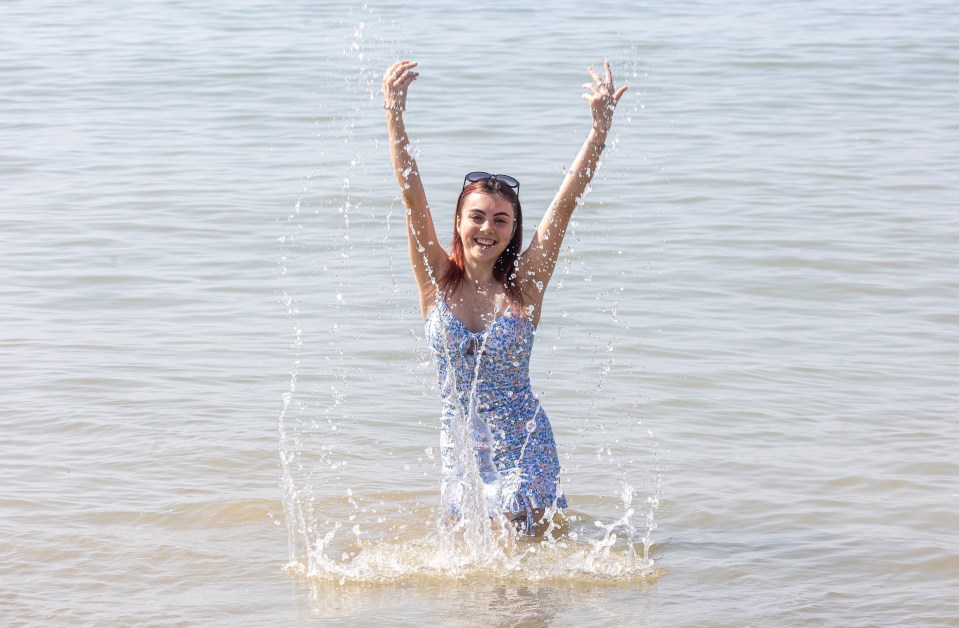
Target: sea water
{"x":197,"y":204}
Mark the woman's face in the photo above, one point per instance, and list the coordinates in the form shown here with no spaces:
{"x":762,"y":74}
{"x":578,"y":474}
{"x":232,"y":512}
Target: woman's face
{"x":486,"y":225}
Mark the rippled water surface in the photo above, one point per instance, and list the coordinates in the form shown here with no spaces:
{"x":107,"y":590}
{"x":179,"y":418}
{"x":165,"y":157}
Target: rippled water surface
{"x":749,"y":354}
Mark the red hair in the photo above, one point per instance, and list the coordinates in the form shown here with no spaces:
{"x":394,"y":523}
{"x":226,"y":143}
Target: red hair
{"x":506,"y":266}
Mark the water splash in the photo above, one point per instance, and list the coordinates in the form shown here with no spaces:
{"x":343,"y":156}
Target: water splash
{"x":344,"y":537}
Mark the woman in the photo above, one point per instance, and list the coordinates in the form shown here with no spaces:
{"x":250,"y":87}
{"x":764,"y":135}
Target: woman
{"x":482,"y":302}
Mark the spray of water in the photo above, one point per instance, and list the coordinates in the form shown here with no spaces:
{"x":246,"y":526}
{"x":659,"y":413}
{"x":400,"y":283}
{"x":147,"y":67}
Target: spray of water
{"x":367,"y":538}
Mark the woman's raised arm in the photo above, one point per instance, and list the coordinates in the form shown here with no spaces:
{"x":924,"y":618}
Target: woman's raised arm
{"x":539,"y":260}
{"x":427,"y":256}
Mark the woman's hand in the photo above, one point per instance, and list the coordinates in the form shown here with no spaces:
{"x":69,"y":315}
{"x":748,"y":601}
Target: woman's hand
{"x":602,"y":98}
{"x":396,"y":84}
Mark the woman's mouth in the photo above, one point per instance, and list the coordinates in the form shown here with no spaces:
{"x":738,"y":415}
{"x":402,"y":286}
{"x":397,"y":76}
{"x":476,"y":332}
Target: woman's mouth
{"x":485,"y":242}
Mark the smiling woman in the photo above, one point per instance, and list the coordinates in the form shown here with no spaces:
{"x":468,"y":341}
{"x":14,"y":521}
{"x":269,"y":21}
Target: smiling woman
{"x":487,"y":229}
{"x":482,"y":302}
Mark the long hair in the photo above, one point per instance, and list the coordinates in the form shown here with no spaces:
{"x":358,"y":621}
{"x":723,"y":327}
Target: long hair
{"x":506,"y":266}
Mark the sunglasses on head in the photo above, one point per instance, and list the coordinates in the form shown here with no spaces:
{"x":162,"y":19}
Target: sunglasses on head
{"x":473,"y":177}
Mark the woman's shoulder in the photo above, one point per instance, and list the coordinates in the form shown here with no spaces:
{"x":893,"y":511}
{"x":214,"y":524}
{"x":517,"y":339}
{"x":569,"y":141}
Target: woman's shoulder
{"x":430,"y":299}
{"x":532,"y":294}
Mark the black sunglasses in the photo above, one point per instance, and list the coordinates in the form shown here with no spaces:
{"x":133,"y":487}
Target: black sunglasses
{"x":473,"y":177}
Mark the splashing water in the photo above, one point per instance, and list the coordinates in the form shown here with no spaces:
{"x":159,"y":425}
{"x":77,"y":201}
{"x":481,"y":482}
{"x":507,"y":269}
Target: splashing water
{"x":336,"y":535}
{"x":400,"y":538}
{"x":475,"y":545}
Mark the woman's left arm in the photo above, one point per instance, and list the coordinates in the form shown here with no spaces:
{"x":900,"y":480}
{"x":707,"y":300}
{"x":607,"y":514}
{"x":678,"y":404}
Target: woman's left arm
{"x":539,"y":260}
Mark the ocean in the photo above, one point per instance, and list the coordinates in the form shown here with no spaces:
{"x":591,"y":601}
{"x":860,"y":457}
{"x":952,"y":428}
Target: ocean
{"x":218,"y":402}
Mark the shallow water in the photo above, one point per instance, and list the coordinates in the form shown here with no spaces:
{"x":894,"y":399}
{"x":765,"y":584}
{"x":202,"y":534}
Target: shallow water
{"x":755,"y":314}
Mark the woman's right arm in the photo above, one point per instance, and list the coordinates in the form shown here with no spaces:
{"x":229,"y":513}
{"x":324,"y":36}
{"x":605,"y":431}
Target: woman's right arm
{"x":427,"y":256}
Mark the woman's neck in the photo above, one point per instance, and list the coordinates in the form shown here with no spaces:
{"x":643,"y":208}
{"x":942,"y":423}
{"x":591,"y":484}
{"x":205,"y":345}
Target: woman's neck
{"x":478,"y":275}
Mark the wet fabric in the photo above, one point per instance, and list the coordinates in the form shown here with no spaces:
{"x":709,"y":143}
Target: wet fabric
{"x":486,"y":375}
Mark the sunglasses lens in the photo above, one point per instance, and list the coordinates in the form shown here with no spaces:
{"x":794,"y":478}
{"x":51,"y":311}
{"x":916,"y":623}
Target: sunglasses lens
{"x":508,"y":180}
{"x":478,"y":176}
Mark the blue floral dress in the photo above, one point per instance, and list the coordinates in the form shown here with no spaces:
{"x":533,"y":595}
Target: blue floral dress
{"x":486,"y":375}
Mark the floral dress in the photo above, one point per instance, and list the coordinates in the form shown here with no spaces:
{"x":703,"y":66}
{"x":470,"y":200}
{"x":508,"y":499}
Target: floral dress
{"x":484,"y":377}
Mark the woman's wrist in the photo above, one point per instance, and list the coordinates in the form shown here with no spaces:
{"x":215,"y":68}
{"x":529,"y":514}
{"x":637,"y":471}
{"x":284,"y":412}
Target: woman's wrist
{"x":602,"y":126}
{"x":596,"y":139}
{"x":394,"y":118}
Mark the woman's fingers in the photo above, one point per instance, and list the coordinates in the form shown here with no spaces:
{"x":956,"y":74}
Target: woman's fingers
{"x":405,"y":66}
{"x":603,"y":86}
{"x":404,"y":79}
{"x":392,"y":71}
{"x":402,"y":63}
{"x":397,"y":79}
{"x":595,"y":76}
{"x":398,"y":69}
{"x":602,"y":96}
